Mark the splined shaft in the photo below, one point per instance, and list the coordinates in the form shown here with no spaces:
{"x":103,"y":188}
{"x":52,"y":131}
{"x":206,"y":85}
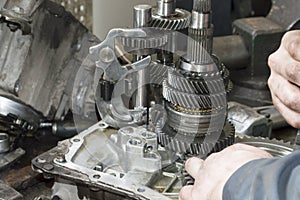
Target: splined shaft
{"x":200,"y":33}
{"x":202,"y":6}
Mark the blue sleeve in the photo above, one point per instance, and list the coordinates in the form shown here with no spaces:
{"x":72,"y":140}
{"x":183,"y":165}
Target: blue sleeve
{"x":271,"y":178}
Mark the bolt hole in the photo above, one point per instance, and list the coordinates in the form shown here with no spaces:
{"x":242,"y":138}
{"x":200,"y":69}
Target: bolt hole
{"x":96,"y":176}
{"x":76,"y":140}
{"x":141,"y":189}
{"x":102,"y":125}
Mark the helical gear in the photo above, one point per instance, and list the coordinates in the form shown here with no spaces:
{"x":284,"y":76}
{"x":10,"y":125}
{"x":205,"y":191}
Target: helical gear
{"x":191,"y":100}
{"x":158,"y":72}
{"x":197,"y":85}
{"x":178,"y":21}
{"x":196,"y":145}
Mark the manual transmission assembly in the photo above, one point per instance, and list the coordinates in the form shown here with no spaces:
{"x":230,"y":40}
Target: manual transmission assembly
{"x":143,"y":100}
{"x":165,"y":102}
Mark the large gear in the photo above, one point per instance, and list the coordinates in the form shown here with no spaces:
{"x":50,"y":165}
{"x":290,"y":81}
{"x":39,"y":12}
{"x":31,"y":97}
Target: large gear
{"x":197,"y":85}
{"x":177,"y":21}
{"x":192,"y":100}
{"x":195,"y":145}
{"x":196,"y":124}
{"x":277,"y":148}
{"x":181,"y":78}
{"x":203,"y":91}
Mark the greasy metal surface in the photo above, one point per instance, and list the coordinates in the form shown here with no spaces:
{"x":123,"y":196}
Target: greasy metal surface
{"x":285,"y":13}
{"x":10,"y":158}
{"x":81,"y":9}
{"x":44,"y":61}
{"x":20,"y":175}
{"x":15,"y":20}
{"x":8,"y":193}
{"x":20,"y":178}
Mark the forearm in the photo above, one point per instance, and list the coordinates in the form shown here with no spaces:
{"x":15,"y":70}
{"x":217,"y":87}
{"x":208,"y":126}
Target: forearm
{"x":272,"y":178}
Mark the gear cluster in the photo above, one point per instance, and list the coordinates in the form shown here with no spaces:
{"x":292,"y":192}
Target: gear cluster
{"x":195,"y":94}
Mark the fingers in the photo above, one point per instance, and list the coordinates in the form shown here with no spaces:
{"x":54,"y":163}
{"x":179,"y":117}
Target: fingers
{"x":287,"y":93}
{"x":186,"y":192}
{"x":211,"y":175}
{"x":283,"y":64}
{"x":291,"y":42}
{"x":193,"y":166}
{"x":284,"y":81}
{"x":286,"y":60}
{"x":292,"y":117}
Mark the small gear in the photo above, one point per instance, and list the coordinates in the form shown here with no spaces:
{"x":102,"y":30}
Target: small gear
{"x":153,"y":39}
{"x":178,"y":21}
{"x":176,"y":142}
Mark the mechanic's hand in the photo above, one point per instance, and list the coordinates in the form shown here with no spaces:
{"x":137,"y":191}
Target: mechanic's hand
{"x":284,"y":81}
{"x":211,"y":175}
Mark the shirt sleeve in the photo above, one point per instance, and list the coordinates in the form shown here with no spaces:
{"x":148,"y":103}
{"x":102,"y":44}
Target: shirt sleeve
{"x":270,"y":178}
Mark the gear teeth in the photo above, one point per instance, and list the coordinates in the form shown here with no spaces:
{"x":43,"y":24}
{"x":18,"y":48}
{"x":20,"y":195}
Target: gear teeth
{"x":197,"y":146}
{"x":155,"y":40}
{"x":158,"y":73}
{"x":277,"y":148}
{"x":204,"y":92}
{"x":197,"y":86}
{"x":180,"y":20}
{"x":202,"y":6}
{"x":200,"y":47}
{"x":195,"y":124}
{"x":193,"y":101}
